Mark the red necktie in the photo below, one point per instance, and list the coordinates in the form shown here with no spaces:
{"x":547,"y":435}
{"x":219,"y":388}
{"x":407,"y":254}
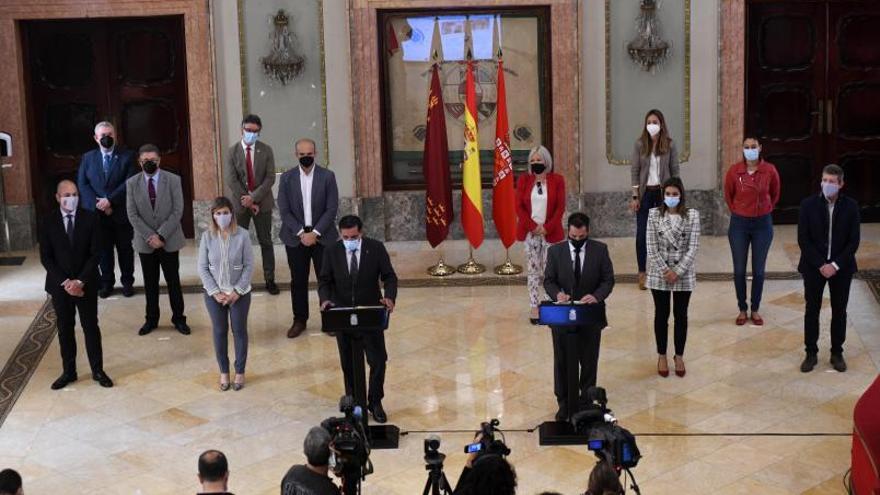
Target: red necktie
{"x":250,"y":169}
{"x":151,"y":190}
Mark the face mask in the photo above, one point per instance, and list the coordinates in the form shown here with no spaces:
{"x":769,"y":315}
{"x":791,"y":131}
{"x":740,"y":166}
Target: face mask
{"x":671,"y":201}
{"x":653,"y":129}
{"x":538,"y":168}
{"x":751,"y":154}
{"x":106,"y":142}
{"x":352,"y":244}
{"x":579,"y":243}
{"x":250,"y":137}
{"x":150,"y":167}
{"x":306,"y":161}
{"x":223,"y":220}
{"x":830,"y":190}
{"x":69,"y":203}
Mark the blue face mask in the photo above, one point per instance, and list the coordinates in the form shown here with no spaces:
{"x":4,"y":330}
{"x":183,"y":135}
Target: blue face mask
{"x":352,"y":244}
{"x":830,"y":190}
{"x":671,"y":201}
{"x":751,"y":154}
{"x":250,"y":137}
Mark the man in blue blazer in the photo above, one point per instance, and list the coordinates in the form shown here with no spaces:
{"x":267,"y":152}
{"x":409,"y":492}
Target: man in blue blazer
{"x":101,"y":181}
{"x":828,"y":235}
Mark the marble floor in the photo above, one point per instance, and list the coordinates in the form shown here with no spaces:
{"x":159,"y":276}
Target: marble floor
{"x":458,"y":356}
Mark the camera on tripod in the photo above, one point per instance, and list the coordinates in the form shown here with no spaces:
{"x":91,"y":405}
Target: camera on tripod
{"x":610,"y":442}
{"x":488,"y":444}
{"x":349,"y":445}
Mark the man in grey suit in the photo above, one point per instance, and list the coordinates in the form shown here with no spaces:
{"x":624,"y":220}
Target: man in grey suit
{"x":249,"y":173}
{"x":155,"y":205}
{"x":579,"y":269}
{"x":307,"y":200}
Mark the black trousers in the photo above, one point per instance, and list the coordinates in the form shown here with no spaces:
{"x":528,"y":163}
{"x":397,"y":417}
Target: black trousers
{"x":377,"y":356}
{"x":680,"y":300}
{"x":170,"y":265}
{"x":814,"y":287}
{"x":263,"y":226}
{"x":116,"y":235}
{"x":588,"y":340}
{"x":299,"y":259}
{"x":66,"y":307}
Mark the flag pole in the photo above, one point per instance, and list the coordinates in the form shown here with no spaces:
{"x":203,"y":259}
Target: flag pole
{"x":471,"y":267}
{"x":508,"y":268}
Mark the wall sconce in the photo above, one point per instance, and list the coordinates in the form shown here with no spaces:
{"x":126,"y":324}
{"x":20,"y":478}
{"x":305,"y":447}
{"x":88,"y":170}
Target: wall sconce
{"x":282,"y":64}
{"x":647,"y":49}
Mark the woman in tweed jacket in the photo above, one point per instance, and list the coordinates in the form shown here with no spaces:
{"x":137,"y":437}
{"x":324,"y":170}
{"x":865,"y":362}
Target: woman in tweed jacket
{"x":673,"y":238}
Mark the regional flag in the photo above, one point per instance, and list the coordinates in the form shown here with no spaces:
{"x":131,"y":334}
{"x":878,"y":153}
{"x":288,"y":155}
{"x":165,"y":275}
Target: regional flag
{"x":435,"y":165}
{"x":471,"y":198}
{"x":503,"y":202}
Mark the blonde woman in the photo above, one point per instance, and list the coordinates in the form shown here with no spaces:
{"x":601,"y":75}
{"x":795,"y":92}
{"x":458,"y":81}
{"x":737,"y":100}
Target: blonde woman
{"x":226,"y":263}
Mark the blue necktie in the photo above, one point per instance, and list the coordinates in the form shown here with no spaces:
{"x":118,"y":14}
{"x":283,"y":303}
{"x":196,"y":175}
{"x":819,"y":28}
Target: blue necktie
{"x":106,"y":167}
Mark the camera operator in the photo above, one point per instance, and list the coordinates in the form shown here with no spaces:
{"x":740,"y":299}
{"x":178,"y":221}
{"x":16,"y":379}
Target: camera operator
{"x":604,"y":480}
{"x":313,"y":478}
{"x":486,"y":474}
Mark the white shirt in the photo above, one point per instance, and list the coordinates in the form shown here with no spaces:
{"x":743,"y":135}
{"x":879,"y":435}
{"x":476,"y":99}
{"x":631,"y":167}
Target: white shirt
{"x":539,"y":203}
{"x":64,"y":217}
{"x":830,"y":225}
{"x":305,"y":183}
{"x":654,"y":171}
{"x":581,"y":255}
{"x":356,"y":253}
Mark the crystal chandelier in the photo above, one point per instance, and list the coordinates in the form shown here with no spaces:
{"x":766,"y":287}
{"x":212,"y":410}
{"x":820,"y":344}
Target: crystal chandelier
{"x":648,"y":50}
{"x":282,"y":64}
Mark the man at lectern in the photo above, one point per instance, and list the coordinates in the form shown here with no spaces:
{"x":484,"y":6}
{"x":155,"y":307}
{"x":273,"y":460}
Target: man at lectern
{"x":350,"y":275}
{"x":579,"y":269}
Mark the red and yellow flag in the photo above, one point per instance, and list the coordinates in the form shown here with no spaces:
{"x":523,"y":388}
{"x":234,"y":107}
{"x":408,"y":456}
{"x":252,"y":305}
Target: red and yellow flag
{"x":471,"y":198}
{"x":435,"y":165}
{"x":503,"y":201}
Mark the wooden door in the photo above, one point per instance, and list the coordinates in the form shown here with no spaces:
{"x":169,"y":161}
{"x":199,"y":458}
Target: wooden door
{"x":131,"y":72}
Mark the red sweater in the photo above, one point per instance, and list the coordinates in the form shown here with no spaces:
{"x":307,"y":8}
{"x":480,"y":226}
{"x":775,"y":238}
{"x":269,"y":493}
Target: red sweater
{"x":752,"y":195}
{"x":555,"y":190}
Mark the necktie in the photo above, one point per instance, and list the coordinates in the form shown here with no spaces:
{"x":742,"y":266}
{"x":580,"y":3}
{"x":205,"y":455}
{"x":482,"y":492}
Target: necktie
{"x":250,"y":169}
{"x":69,"y":228}
{"x":151,"y":190}
{"x":353,"y":267}
{"x":106,"y":167}
{"x":577,"y":266}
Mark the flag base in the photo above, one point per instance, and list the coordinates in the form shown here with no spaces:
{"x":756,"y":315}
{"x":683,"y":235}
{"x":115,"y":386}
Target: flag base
{"x":471,"y":267}
{"x":441,"y":269}
{"x":508,"y":268}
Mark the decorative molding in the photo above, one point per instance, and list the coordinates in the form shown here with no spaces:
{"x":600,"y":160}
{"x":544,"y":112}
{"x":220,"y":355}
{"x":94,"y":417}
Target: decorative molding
{"x":25,"y":358}
{"x":685,"y":153}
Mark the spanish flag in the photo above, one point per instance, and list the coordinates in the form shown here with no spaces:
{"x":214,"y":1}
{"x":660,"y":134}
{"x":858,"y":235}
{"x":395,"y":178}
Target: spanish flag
{"x":471,"y":198}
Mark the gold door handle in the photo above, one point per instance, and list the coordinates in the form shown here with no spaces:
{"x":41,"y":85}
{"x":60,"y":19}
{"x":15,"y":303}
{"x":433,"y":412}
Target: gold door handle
{"x":829,"y":116}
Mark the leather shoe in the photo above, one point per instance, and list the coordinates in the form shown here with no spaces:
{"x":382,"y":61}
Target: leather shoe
{"x":63,"y":380}
{"x":147,"y":328}
{"x":127,"y":290}
{"x":378,"y":413}
{"x":272,"y":287}
{"x":183,"y":328}
{"x":105,"y":292}
{"x":809,"y":363}
{"x":838,"y":363}
{"x":562,"y":413}
{"x":102,"y":379}
{"x":298,"y":327}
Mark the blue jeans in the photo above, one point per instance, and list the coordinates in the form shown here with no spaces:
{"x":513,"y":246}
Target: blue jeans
{"x":757,"y":231}
{"x":220,"y":318}
{"x":651,"y":199}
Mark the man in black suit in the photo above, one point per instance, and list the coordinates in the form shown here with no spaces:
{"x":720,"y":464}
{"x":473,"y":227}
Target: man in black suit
{"x":828,"y":235}
{"x":70,"y":245}
{"x":350,"y":275}
{"x":580,"y":270}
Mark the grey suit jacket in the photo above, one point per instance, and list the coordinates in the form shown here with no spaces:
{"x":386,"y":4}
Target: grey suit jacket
{"x":597,"y":274}
{"x":238,"y":264}
{"x":325,"y":203}
{"x":235,"y":175}
{"x":641,"y":165}
{"x":164,"y":219}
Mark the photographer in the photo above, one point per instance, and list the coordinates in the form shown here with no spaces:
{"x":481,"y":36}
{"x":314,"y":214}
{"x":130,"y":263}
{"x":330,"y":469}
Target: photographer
{"x":486,"y":474}
{"x":313,"y":478}
{"x":604,"y":480}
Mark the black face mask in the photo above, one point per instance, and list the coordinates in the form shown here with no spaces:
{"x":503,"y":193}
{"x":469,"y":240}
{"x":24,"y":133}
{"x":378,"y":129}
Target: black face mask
{"x":306,"y":161}
{"x":106,"y":142}
{"x":150,"y":167}
{"x":538,"y":168}
{"x":577,"y":243}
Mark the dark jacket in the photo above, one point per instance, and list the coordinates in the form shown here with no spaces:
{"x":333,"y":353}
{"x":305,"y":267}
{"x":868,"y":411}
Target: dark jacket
{"x":335,"y":284}
{"x":64,"y":261}
{"x":597,"y":276}
{"x":93,"y":184}
{"x":325,"y":203}
{"x":813,"y":233}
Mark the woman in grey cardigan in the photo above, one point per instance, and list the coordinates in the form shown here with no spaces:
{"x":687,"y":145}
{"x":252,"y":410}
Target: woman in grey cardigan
{"x":226,"y":263}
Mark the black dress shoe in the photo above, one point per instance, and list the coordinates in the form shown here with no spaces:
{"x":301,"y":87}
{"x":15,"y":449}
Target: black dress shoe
{"x":147,"y":328}
{"x":838,"y":363}
{"x":127,"y":290}
{"x":533,"y":321}
{"x":102,"y":379}
{"x":562,"y":413}
{"x":182,"y":328}
{"x":63,"y":380}
{"x":105,"y":292}
{"x":272,"y":287}
{"x":809,"y":363}
{"x":378,"y":413}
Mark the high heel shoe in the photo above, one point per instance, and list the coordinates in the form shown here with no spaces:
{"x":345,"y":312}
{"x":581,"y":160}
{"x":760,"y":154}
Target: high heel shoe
{"x":662,"y":372}
{"x":224,"y":386}
{"x":238,"y":385}
{"x":679,"y":372}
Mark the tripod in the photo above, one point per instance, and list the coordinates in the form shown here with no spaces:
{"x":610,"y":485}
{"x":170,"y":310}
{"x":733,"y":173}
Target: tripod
{"x":436,"y":484}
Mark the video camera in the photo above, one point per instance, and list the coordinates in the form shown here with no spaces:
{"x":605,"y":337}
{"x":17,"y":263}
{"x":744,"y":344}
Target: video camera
{"x":606,"y":439}
{"x":349,"y":445}
{"x":488,"y":444}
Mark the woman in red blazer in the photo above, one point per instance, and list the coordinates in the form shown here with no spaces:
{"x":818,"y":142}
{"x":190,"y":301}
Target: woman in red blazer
{"x":540,"y":203}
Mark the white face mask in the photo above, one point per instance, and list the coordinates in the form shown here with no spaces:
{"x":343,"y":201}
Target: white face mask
{"x":223,"y":220}
{"x":69,"y":203}
{"x":653,"y":129}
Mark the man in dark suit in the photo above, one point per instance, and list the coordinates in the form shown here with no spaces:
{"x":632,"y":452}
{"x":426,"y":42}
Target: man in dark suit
{"x":101,"y":179}
{"x":828,"y":235}
{"x":350,"y":276}
{"x":249,"y":173}
{"x":578,"y":270}
{"x":307,"y":200}
{"x":70,"y":244}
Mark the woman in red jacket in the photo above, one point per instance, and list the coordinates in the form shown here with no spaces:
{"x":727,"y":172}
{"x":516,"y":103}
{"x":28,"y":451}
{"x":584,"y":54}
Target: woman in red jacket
{"x":540,"y":202}
{"x":751,"y":190}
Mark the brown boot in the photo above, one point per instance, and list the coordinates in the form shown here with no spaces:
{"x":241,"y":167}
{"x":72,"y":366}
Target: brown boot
{"x":642,"y":278}
{"x":297,"y":328}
